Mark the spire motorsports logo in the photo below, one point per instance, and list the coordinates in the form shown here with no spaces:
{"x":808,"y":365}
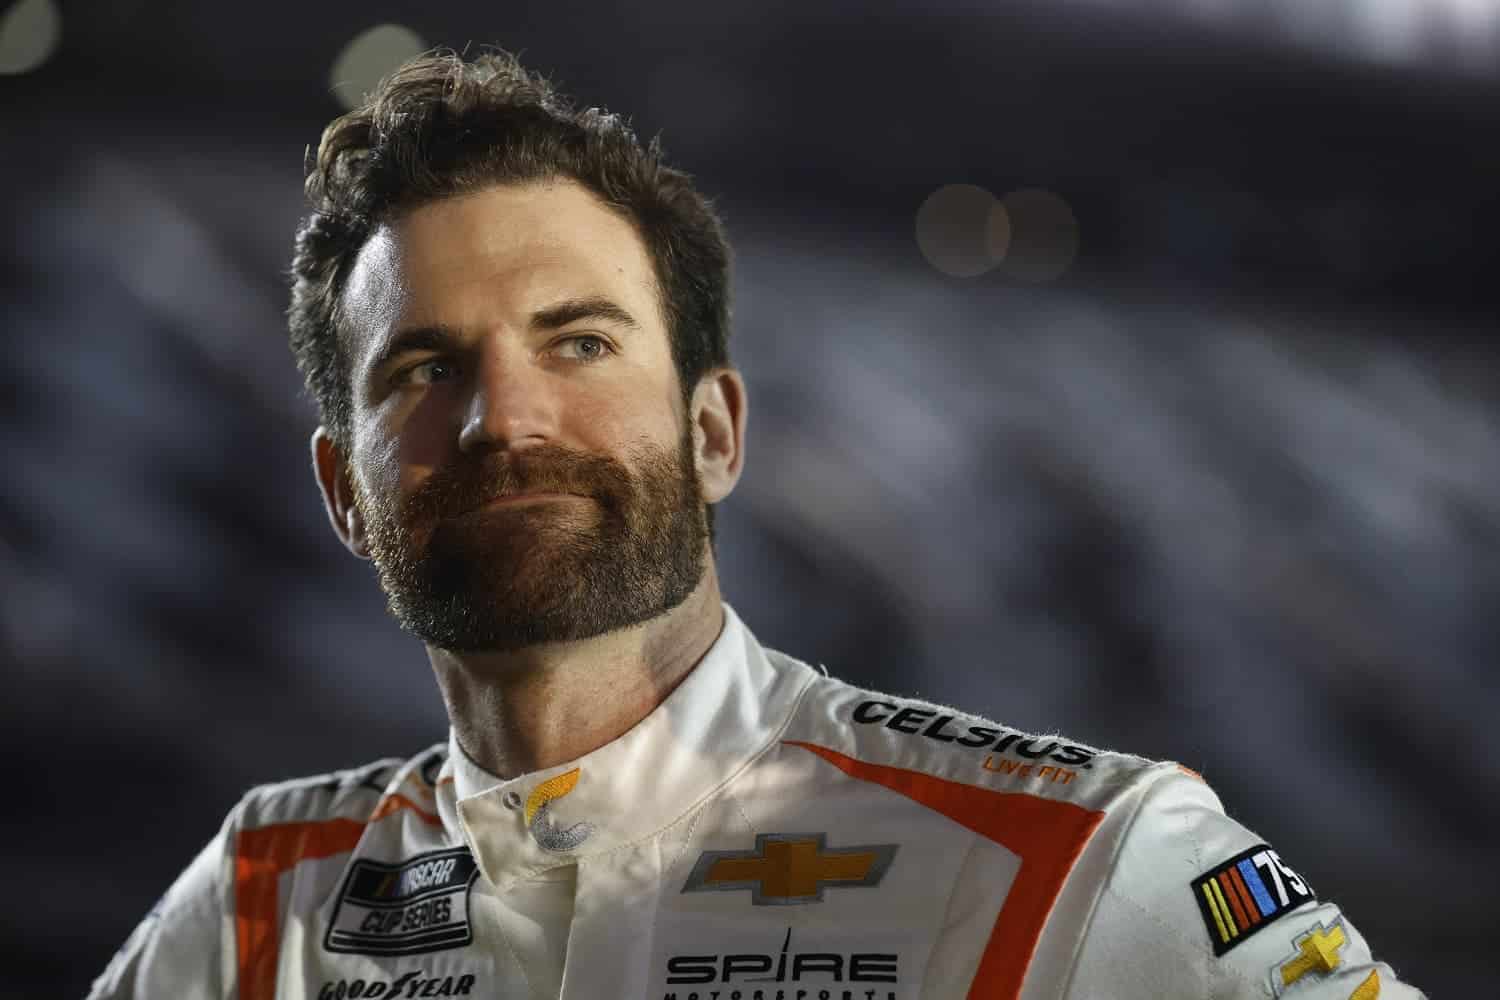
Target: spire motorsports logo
{"x":786,"y":975}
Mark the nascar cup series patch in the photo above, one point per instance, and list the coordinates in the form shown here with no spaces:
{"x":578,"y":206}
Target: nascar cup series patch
{"x":1246,"y":894}
{"x":418,"y":905}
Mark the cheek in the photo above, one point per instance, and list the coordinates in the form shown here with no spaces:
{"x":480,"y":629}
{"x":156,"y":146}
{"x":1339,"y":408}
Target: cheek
{"x":626,"y":435}
{"x":401,"y":450}
{"x":381,"y":471}
{"x":645,"y":409}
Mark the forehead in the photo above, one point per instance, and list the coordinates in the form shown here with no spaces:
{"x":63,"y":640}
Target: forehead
{"x":492,"y":256}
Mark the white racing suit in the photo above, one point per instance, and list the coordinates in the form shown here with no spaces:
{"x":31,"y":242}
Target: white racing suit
{"x":767,"y":833}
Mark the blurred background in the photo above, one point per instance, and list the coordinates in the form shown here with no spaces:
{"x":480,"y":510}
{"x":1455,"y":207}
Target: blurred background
{"x":1119,"y":367}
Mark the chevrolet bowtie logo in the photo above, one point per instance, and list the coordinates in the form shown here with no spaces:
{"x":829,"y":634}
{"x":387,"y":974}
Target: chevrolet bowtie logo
{"x":790,"y":868}
{"x":1317,"y":953}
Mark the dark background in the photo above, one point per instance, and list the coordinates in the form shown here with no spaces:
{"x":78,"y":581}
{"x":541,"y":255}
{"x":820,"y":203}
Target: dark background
{"x":1223,"y":491}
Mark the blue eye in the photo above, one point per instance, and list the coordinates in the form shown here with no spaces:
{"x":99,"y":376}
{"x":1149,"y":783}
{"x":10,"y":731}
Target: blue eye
{"x":434,"y":363}
{"x":444,"y":370}
{"x":591,"y":357}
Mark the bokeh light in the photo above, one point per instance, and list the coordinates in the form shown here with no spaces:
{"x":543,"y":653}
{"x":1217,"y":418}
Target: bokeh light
{"x":1043,"y":235}
{"x":29,"y":34}
{"x":953,"y":230}
{"x":997,"y":232}
{"x":368,"y":57}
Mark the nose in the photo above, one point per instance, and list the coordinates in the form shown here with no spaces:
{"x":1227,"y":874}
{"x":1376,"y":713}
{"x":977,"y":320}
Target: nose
{"x":512,"y":403}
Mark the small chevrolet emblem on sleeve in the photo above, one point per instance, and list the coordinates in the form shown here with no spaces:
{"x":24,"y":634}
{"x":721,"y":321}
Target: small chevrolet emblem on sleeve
{"x":789,"y":868}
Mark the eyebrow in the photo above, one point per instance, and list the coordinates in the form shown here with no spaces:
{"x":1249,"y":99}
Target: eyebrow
{"x":442,"y":337}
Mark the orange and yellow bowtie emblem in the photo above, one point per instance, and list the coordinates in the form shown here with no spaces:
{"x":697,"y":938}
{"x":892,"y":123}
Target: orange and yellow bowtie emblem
{"x":790,"y":868}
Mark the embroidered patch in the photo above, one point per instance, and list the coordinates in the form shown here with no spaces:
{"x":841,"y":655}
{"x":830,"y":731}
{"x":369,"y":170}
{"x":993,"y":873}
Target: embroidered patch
{"x":1245,"y":894}
{"x":419,"y":905}
{"x":539,"y":815}
{"x":1316,"y":953}
{"x":789,"y":868}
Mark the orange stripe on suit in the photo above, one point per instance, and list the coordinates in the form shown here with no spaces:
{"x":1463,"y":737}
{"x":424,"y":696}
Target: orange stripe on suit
{"x":1047,"y":835}
{"x":261,"y":856}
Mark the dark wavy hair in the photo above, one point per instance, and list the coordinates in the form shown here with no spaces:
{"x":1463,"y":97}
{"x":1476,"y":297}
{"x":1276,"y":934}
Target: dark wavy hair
{"x":440,"y":126}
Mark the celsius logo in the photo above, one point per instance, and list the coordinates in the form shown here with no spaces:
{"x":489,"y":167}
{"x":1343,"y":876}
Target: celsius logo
{"x":820,"y":974}
{"x":928,"y":723}
{"x":539,"y":818}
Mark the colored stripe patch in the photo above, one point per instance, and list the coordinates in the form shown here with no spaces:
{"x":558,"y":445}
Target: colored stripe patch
{"x":1245,"y":894}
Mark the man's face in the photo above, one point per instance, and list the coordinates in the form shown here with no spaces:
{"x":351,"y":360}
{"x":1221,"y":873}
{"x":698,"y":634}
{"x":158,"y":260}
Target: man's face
{"x":510,"y":342}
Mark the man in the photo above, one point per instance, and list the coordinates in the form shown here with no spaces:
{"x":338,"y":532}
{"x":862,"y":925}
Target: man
{"x":514,"y":321}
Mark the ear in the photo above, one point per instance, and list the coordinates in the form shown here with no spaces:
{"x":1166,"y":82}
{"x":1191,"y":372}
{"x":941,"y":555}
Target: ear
{"x":331,"y":471}
{"x":719,"y":409}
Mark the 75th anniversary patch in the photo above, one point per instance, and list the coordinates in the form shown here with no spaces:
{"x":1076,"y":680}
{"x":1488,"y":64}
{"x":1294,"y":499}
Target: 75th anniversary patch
{"x":1243,"y":895}
{"x":418,"y":905}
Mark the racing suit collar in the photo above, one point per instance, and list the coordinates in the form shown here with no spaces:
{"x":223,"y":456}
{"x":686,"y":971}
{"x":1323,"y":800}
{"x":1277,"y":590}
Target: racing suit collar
{"x":469,"y":778}
{"x":731,"y":706}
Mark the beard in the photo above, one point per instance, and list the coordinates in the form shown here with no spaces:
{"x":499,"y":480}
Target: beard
{"x":504,"y":578}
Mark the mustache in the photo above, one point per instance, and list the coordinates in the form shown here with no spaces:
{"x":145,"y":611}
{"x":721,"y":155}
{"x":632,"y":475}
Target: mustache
{"x":458,"y":488}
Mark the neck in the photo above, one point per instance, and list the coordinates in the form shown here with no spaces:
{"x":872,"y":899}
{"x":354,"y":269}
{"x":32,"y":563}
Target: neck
{"x":538,"y":707}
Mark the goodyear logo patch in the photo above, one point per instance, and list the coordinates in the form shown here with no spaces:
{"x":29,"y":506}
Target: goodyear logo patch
{"x":1245,"y":894}
{"x":418,"y":905}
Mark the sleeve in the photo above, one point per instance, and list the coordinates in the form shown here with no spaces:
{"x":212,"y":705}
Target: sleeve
{"x":1197,"y":905}
{"x":179,"y":949}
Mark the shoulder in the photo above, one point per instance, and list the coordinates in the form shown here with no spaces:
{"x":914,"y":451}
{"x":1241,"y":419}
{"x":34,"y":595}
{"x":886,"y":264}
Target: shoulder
{"x":351,"y":794}
{"x":349,"y":797}
{"x":1191,"y":894}
{"x":179,"y":948}
{"x":844,"y":723}
{"x":1153,"y":890}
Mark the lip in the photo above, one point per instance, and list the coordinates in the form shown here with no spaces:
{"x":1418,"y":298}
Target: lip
{"x":526,"y":498}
